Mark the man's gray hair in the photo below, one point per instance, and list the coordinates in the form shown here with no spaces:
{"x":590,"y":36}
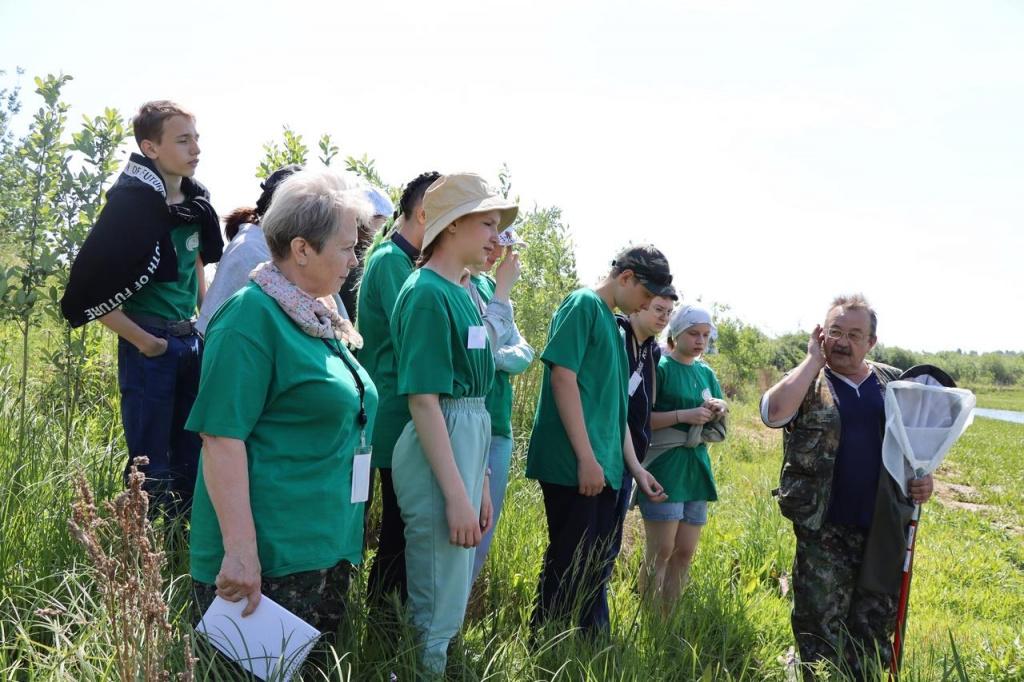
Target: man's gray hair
{"x":856,"y":302}
{"x":311,"y":204}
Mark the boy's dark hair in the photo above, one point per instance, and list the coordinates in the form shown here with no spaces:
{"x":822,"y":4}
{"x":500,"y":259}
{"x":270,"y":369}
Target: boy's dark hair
{"x":413,"y":193}
{"x":148,"y":123}
{"x":650,"y":267}
{"x":247,"y":214}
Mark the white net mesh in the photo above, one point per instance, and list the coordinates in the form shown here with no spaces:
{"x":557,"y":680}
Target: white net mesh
{"x":922,"y":421}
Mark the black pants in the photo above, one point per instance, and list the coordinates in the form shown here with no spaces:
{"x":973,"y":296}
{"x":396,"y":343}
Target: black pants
{"x":573,"y":577}
{"x":387,"y":575}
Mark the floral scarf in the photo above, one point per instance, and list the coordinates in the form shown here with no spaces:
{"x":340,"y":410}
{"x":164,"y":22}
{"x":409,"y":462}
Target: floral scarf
{"x":312,"y":316}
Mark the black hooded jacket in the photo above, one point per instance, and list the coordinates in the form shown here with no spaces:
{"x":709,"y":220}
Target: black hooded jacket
{"x":130,"y":244}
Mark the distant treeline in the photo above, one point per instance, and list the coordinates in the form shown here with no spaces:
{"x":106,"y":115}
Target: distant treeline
{"x":748,"y":360}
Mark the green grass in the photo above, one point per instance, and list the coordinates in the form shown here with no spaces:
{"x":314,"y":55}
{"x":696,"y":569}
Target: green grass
{"x":1000,"y":397}
{"x":732,"y":623}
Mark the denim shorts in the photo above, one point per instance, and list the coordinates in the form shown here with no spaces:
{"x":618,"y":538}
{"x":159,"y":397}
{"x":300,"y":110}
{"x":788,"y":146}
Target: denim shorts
{"x":694,"y":512}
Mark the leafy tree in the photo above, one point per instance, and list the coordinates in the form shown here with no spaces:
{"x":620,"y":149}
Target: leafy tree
{"x":548,"y":275}
{"x":744,"y":355}
{"x":328,"y":150}
{"x":291,"y":150}
{"x":36,"y":174}
{"x":78,"y":200}
{"x":788,"y":350}
{"x":895,"y":356}
{"x":1002,"y":371}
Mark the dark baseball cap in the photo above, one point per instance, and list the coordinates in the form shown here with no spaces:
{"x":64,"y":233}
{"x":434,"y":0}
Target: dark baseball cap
{"x":650,"y":267}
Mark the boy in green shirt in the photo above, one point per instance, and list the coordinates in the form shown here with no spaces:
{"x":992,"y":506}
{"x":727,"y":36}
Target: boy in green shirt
{"x":140,"y":273}
{"x":580,"y":441}
{"x":387,"y":268}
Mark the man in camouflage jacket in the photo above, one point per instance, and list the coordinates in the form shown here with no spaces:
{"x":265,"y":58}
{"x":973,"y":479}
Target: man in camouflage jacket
{"x":848,"y":515}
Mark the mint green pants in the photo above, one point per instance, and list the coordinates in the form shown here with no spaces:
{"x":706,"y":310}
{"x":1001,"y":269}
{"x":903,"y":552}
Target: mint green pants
{"x":440,"y":574}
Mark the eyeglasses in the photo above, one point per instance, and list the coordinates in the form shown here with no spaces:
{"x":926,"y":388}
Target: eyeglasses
{"x":661,"y":311}
{"x":835,"y":333}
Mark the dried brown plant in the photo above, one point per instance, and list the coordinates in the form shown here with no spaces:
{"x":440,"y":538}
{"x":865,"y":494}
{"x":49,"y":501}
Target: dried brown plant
{"x":120,"y":544}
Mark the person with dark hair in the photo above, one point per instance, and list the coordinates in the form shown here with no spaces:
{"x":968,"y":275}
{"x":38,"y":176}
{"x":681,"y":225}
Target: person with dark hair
{"x":382,"y":210}
{"x":445,"y":370}
{"x":386,"y":270}
{"x":246,"y":249}
{"x":580,"y":442}
{"x":140,"y":273}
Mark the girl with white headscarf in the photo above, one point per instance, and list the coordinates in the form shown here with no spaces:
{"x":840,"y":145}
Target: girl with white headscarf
{"x":689,"y":397}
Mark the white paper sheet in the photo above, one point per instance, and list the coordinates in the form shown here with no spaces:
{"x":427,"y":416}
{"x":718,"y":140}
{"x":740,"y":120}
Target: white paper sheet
{"x":271,"y":643}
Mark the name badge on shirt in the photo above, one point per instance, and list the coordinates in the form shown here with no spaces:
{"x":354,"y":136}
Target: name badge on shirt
{"x":477,"y":338}
{"x":635,"y":381}
{"x":361,"y":474}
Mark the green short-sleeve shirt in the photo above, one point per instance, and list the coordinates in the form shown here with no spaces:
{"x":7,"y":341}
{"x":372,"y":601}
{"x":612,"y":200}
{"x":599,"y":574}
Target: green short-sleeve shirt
{"x":294,"y":403}
{"x":173,"y":300}
{"x":440,"y":340}
{"x":685,"y":473}
{"x":386,"y":271}
{"x":584,"y":338}
{"x":499,"y":398}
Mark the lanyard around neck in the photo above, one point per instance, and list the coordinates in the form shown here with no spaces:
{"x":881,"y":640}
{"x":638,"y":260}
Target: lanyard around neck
{"x":361,"y":418}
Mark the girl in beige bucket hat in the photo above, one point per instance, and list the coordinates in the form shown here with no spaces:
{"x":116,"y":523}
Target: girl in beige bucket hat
{"x":445,"y":368}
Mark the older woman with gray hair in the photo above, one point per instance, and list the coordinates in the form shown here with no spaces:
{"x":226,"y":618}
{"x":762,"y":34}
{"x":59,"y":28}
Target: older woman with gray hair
{"x":284,"y":410}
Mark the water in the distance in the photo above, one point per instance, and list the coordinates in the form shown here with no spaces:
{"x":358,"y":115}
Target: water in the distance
{"x":1004,"y":415}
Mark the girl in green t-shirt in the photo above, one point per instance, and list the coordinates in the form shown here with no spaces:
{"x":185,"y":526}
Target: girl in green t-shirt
{"x":689,"y":397}
{"x":445,"y":368}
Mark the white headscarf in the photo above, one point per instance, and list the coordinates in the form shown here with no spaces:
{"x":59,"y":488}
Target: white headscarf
{"x":686,"y":316}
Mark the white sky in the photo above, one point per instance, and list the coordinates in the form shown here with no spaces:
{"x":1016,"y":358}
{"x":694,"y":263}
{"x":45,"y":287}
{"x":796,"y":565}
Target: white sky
{"x":778,"y":152}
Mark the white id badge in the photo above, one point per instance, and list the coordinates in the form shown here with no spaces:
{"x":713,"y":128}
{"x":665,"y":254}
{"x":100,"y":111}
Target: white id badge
{"x":361,"y":475}
{"x":635,"y":381}
{"x":477,"y":338}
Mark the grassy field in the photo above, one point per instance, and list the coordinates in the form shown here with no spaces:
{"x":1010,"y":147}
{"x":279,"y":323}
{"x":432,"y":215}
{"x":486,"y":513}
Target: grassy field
{"x":1000,"y":397}
{"x":732,"y":624}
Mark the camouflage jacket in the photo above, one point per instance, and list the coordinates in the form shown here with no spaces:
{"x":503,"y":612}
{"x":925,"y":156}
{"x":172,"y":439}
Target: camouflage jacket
{"x":809,"y":445}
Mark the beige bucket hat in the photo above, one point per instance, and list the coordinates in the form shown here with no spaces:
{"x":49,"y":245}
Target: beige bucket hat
{"x":452,"y":196}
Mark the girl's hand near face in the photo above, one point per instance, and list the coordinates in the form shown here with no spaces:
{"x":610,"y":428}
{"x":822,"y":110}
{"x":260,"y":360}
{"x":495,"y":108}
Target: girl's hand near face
{"x":506,"y":274}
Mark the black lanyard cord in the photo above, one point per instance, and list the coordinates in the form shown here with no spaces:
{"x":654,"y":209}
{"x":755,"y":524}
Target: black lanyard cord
{"x":361,"y":418}
{"x":640,"y":351}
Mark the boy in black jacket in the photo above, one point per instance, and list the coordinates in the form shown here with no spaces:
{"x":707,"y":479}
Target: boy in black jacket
{"x":140,"y":273}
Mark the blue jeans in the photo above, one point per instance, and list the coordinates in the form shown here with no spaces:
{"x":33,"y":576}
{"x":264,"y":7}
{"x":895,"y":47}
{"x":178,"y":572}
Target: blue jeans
{"x":499,"y":459}
{"x":156,"y":398}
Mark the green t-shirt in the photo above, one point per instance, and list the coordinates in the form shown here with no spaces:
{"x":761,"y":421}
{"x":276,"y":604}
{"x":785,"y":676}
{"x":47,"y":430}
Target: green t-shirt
{"x":386,"y":271}
{"x":294,"y":403}
{"x":173,"y":300}
{"x":685,"y":473}
{"x":435,"y":323}
{"x":499,"y":398}
{"x":584,"y":338}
